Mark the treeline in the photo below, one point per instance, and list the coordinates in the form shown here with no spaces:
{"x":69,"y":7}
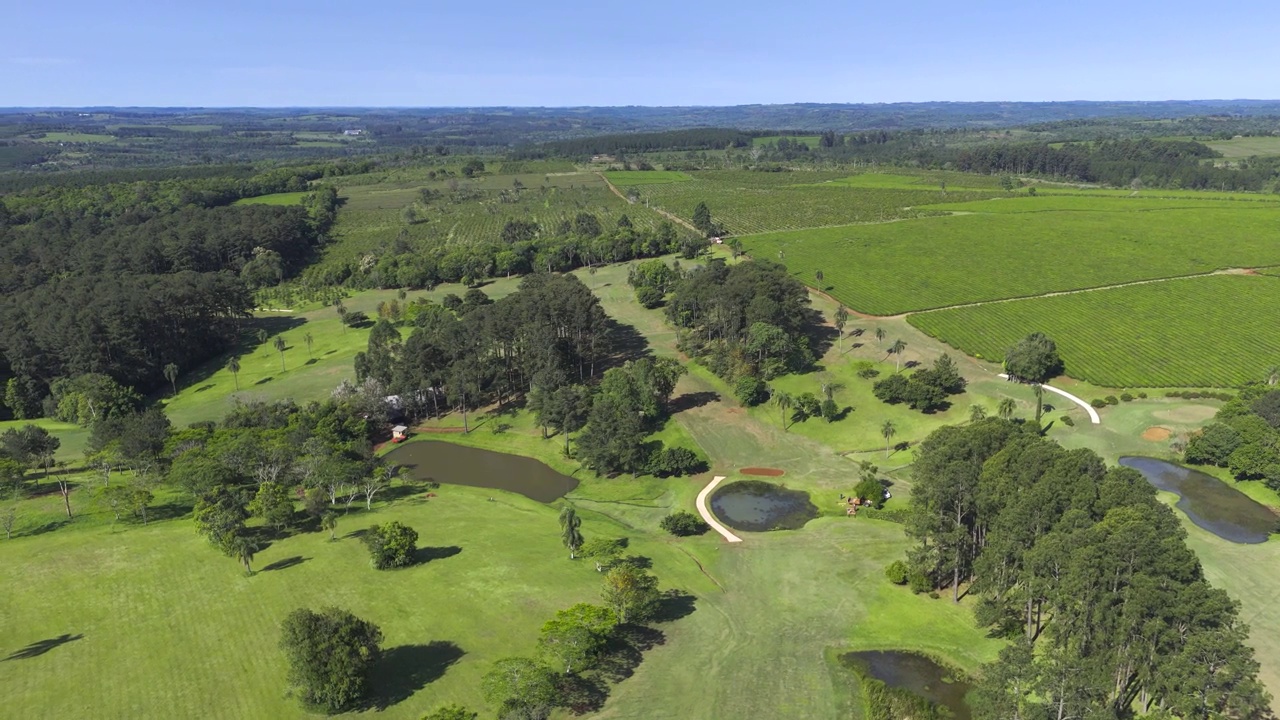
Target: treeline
{"x":1086,"y":571}
{"x":749,"y":320}
{"x":522,"y":247}
{"x":548,"y":343}
{"x":1243,"y":437}
{"x":693,"y":139}
{"x":122,"y":280}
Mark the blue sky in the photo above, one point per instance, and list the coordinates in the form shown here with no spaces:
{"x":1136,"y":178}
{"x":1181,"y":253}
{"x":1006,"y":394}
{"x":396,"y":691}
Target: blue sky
{"x":659,"y":52}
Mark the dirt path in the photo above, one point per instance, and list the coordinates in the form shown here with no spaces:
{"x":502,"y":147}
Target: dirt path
{"x":706,"y":514}
{"x":660,"y":211}
{"x":1093,"y":414}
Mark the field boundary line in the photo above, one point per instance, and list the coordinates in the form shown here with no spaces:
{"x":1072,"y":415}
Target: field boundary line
{"x":658,"y":210}
{"x":1093,"y":414}
{"x":706,"y":514}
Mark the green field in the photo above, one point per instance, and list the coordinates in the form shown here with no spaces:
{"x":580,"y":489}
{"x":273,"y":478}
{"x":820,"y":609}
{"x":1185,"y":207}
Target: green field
{"x":1243,"y":147}
{"x":76,"y":137}
{"x":936,"y":262}
{"x":746,"y":202}
{"x":1212,"y":331}
{"x":286,"y":198}
{"x":810,"y":140}
{"x":631,"y":178}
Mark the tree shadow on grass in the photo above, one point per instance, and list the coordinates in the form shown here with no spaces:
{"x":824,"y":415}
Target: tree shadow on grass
{"x":426,"y":554}
{"x":47,"y":527}
{"x":40,"y":647}
{"x":404,"y":670}
{"x":284,"y":563}
{"x":689,"y":401}
{"x":674,"y":605}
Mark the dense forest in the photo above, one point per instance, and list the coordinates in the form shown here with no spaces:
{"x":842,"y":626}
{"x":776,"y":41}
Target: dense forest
{"x":122,"y":279}
{"x":1085,"y":571}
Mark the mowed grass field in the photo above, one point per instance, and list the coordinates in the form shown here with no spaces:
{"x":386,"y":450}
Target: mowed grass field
{"x":1215,"y":331}
{"x":937,"y":262}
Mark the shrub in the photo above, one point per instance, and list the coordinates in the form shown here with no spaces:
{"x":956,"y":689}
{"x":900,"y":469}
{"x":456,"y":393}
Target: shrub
{"x":649,"y":297}
{"x":392,"y":545}
{"x":674,"y":462}
{"x":896,"y":572}
{"x":750,"y":390}
{"x":1066,"y":420}
{"x":807,"y":406}
{"x":1098,"y":403}
{"x":603,"y":547}
{"x":355,"y":319}
{"x":330,"y":654}
{"x":1111,"y":400}
{"x":871,"y":490}
{"x":866,"y":369}
{"x":683,"y":524}
{"x":830,"y":411}
{"x":1126,"y":397}
{"x":891,"y":390}
{"x":919,"y":582}
{"x":895,"y":515}
{"x":1142,"y":395}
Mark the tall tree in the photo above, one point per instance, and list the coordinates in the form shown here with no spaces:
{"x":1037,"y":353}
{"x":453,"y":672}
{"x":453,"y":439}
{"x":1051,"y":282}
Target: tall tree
{"x":880,"y":334}
{"x":570,"y":532}
{"x":1006,"y":407}
{"x":841,"y":319}
{"x":280,"y":347}
{"x":309,"y":340}
{"x":896,"y":351}
{"x":171,"y":374}
{"x":1034,"y":359}
{"x":233,"y":365}
{"x":784,"y":401}
{"x":331,"y":655}
{"x":887,"y":431}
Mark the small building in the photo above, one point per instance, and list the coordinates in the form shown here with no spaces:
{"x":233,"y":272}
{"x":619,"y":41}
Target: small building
{"x":399,"y":433}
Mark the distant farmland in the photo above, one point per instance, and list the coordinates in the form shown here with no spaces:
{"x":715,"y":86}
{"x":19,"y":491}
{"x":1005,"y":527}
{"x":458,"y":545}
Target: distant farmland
{"x":1216,"y":331}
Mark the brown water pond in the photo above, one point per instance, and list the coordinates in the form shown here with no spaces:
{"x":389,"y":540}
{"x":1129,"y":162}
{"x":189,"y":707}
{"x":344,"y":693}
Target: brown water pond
{"x":915,"y":673}
{"x":445,"y":462}
{"x":755,"y":505}
{"x":1209,"y":502}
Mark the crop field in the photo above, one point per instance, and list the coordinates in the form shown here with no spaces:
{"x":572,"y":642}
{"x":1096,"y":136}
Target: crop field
{"x":76,"y":137}
{"x":810,"y":140}
{"x":1247,"y":146}
{"x":899,"y":267}
{"x":1088,"y":202}
{"x":372,"y":214}
{"x":630,"y":178}
{"x":754,"y":202}
{"x":1213,"y":331}
{"x":907,"y":180}
{"x":287,"y":198}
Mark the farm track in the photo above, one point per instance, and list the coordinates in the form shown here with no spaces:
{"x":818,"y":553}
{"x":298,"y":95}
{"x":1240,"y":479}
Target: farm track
{"x":1055,"y":293}
{"x":673,"y":218}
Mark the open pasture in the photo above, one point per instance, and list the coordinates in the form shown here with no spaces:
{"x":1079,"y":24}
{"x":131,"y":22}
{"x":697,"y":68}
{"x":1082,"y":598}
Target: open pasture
{"x":76,"y":137}
{"x":919,"y":179}
{"x":285,"y":198}
{"x":754,"y":202}
{"x":892,"y":268}
{"x":1212,"y":331}
{"x":629,"y":178}
{"x":1086,"y":201}
{"x":1243,"y":147}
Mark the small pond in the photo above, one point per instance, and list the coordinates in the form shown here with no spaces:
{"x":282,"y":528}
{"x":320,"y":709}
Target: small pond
{"x":755,"y":505}
{"x":445,"y":462}
{"x":914,"y":673}
{"x":1209,"y":502}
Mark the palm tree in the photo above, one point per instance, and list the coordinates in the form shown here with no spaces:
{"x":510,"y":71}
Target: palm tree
{"x":784,"y":401}
{"x":342,"y":316}
{"x":1273,"y":374}
{"x":262,"y":335}
{"x":879,"y":335}
{"x":234,"y":366}
{"x":280,"y":346}
{"x":570,"y":534}
{"x":329,"y":521}
{"x":888,"y":431}
{"x":977,"y":413}
{"x":842,"y":318}
{"x":818,"y":276}
{"x":171,"y":374}
{"x":896,"y":351}
{"x":245,"y":548}
{"x":1039,"y":389}
{"x":309,"y":341}
{"x":1005,"y":408}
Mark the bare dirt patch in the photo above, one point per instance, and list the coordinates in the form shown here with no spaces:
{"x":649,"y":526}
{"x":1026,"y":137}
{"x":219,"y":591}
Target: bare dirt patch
{"x":1156,"y":434}
{"x":762,"y":471}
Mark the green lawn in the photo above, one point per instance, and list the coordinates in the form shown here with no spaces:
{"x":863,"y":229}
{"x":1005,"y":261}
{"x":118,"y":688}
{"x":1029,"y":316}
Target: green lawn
{"x":935,"y":262}
{"x":286,"y":198}
{"x":1211,"y":331}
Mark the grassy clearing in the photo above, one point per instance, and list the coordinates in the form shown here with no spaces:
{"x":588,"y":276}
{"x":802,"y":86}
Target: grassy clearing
{"x":76,"y":137}
{"x":628,"y":178}
{"x":1247,"y":146}
{"x":73,"y":436}
{"x":1048,"y":202}
{"x":288,"y":198}
{"x":915,"y":180}
{"x":810,"y":140}
{"x":898,"y":267}
{"x":1202,"y":332}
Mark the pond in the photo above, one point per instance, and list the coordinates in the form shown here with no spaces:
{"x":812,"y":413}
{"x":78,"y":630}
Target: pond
{"x":1209,"y":503}
{"x":915,"y":673}
{"x":445,"y":462}
{"x":755,"y":506}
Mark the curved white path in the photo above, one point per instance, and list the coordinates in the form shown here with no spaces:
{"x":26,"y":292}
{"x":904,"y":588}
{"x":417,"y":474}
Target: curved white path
{"x":706,"y":514}
{"x":1093,"y":414}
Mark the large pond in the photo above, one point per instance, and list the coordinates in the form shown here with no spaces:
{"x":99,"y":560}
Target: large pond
{"x":914,"y":673}
{"x":445,"y":462}
{"x":1209,"y":502}
{"x":755,"y":506}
